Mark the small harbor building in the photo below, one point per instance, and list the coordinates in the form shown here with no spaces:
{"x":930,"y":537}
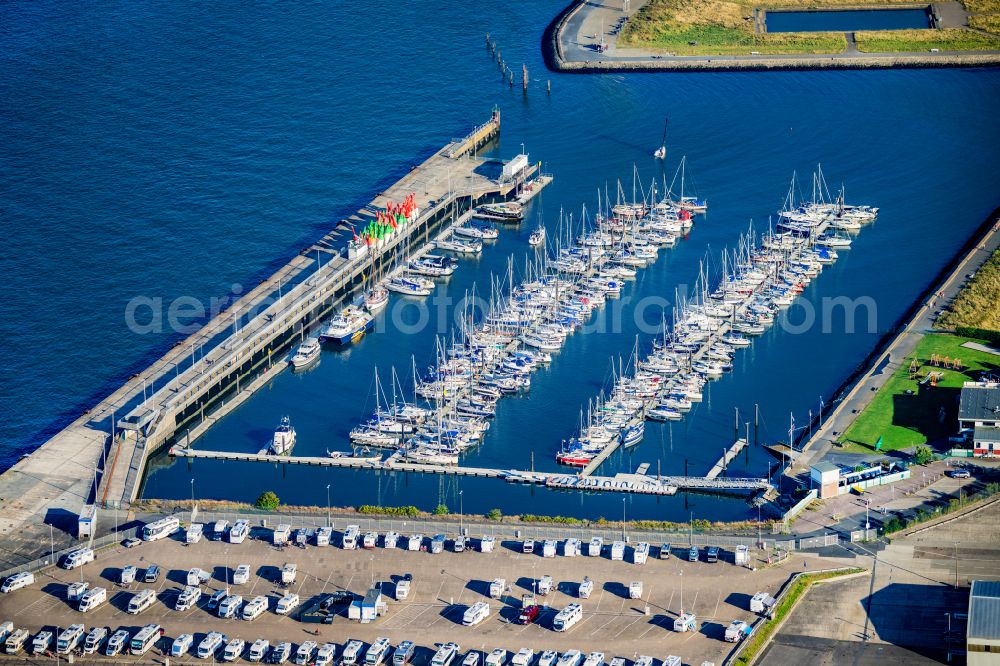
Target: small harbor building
{"x":982,"y":635}
{"x":832,"y":480}
{"x":87,"y":522}
{"x":979,"y":414}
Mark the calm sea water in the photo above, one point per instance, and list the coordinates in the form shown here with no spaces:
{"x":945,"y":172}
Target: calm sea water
{"x":177,"y":150}
{"x":853,"y":19}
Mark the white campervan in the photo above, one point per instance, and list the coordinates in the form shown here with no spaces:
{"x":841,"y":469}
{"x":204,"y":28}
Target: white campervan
{"x":567,"y":617}
{"x":287,"y":604}
{"x":188,"y":597}
{"x":141,"y":601}
{"x":17,"y":581}
{"x":254,"y":608}
{"x":93,"y":598}
{"x":476,"y":613}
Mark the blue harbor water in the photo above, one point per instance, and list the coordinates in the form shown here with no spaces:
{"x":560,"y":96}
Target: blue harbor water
{"x":178,"y":150}
{"x":847,"y":19}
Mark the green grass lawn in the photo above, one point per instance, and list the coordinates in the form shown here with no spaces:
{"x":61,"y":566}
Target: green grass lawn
{"x":899,"y":41}
{"x":928,"y":413}
{"x":721,"y":40}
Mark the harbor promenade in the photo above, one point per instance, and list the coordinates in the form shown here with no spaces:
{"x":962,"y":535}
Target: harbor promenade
{"x":101,"y":456}
{"x":882,"y":367}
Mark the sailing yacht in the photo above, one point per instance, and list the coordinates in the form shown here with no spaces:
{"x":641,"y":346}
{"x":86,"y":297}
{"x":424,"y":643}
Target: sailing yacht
{"x":661,"y":152}
{"x":376,"y":299}
{"x":537,"y":237}
{"x":284,"y":438}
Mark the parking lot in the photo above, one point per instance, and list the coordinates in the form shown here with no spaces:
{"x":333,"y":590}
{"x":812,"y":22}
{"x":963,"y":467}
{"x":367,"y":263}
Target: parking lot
{"x":444,"y":586}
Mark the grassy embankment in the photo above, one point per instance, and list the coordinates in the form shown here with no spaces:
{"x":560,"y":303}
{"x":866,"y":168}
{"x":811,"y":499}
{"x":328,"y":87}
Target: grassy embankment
{"x":908,"y":411}
{"x":765,"y":630}
{"x":725,"y":27}
{"x":978,"y":304}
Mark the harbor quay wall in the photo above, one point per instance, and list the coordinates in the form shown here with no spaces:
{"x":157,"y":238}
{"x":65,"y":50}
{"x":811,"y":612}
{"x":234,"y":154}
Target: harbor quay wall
{"x":783,"y":63}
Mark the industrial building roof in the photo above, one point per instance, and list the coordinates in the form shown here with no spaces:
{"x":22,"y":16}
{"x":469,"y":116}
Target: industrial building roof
{"x":980,"y":402}
{"x":984,"y":610}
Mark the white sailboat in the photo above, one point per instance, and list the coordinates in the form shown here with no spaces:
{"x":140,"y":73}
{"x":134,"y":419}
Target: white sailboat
{"x":661,"y":152}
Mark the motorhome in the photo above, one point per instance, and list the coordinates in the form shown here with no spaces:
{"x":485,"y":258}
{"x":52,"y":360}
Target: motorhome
{"x":69,"y":638}
{"x":323,"y":535}
{"x":280,"y":653}
{"x":618,"y":551}
{"x":240,"y":531}
{"x":305,"y":652}
{"x":370,"y":541}
{"x":548,"y":548}
{"x":181,"y":645}
{"x":42,"y":642}
{"x":524,"y":657}
{"x":402,"y":589}
{"x":635,"y":589}
{"x":571,"y":658}
{"x":287,"y":603}
{"x":279,"y":537}
{"x":219,"y":530}
{"x":325,"y":654}
{"x":415,"y":542}
{"x":140,"y":601}
{"x":187,"y":598}
{"x":6,"y":629}
{"x":233,"y":649}
{"x":497,"y":588}
{"x":15,"y":642}
{"x":445,"y":655}
{"x":75,"y":591}
{"x":258,"y":650}
{"x":737,"y":631}
{"x":471,"y":659}
{"x":288,"y":573}
{"x":437,"y":543}
{"x":93,"y":598}
{"x":640,"y":553}
{"x":160,"y":529}
{"x":664,"y":553}
{"x":210,"y":645}
{"x":760,"y":602}
{"x":194,"y":533}
{"x":254,"y":608}
{"x":487,"y":543}
{"x":77,"y":558}
{"x":548,"y":658}
{"x":476,"y":613}
{"x":496,"y":658}
{"x":17,"y":582}
{"x":242,"y":575}
{"x":94,"y":640}
{"x":685,"y":622}
{"x":644,"y":660}
{"x":144,"y":639}
{"x":217,"y":598}
{"x":152,"y":574}
{"x":459,"y":544}
{"x":377,"y":652}
{"x":595,"y":546}
{"x":594,"y":659}
{"x":567,"y":617}
{"x":350,"y":538}
{"x":528,"y":546}
{"x":586,"y":588}
{"x":198,"y":576}
{"x":672,"y":660}
{"x":545,"y":585}
{"x":116,"y":643}
{"x":571,"y":548}
{"x":127,"y":575}
{"x":391,"y":539}
{"x":230,"y":606}
{"x":403,"y":654}
{"x":353,"y":651}
{"x":742,"y":556}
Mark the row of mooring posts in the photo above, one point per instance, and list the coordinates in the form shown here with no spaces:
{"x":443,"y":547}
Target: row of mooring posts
{"x":507,"y":73}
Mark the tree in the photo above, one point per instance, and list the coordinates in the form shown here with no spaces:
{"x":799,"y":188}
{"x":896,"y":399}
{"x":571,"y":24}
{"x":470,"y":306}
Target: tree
{"x":268,"y":501}
{"x":494,"y":514}
{"x":922,"y":454}
{"x":441,"y":510}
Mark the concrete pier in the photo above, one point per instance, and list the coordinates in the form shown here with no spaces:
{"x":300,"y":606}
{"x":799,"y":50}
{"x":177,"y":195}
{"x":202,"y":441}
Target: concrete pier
{"x":726,"y":458}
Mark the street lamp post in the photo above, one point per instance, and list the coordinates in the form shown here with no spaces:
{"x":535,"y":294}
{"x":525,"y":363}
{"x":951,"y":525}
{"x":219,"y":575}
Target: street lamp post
{"x":328,"y":505}
{"x":956,"y":565}
{"x":623,"y":518}
{"x":868,"y":524}
{"x":461,"y":513}
{"x":192,"y":499}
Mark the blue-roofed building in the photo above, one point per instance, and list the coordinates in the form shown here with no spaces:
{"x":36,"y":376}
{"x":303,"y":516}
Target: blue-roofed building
{"x":982,"y":638}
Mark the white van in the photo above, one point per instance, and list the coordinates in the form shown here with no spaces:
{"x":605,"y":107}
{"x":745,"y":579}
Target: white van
{"x":377,"y":652}
{"x":497,"y":587}
{"x":281,"y":534}
{"x":15,"y":642}
{"x":69,"y":638}
{"x":352,"y":653}
{"x":487,"y":543}
{"x":323,"y":535}
{"x":305,"y":652}
{"x":194,"y":533}
{"x":181,"y":645}
{"x":188,"y":597}
{"x":476,"y":613}
{"x":17,"y":581}
{"x":145,"y":639}
{"x":241,"y":528}
{"x":325,"y":654}
{"x":414,"y":542}
{"x":549,"y":548}
{"x":258,"y":650}
{"x":141,"y":601}
{"x":230,"y":606}
{"x":77,"y":558}
{"x":594,"y":547}
{"x":92,"y":599}
{"x":567,"y":617}
{"x":210,"y":645}
{"x":287,"y":604}
{"x":618,"y":551}
{"x":242,"y":575}
{"x":254,"y":608}
{"x":94,"y":640}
